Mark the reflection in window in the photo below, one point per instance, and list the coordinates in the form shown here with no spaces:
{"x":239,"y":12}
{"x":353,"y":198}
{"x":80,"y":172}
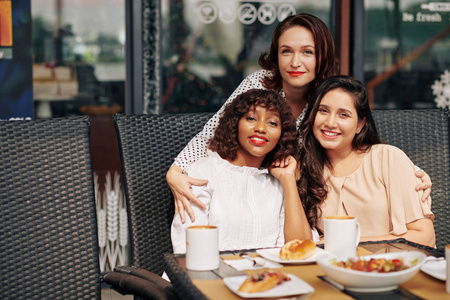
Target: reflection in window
{"x":208,"y":47}
{"x":406,"y":52}
{"x":78,"y":57}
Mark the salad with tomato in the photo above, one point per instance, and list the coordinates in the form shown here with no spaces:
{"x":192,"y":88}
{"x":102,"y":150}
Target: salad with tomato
{"x":379,"y":265}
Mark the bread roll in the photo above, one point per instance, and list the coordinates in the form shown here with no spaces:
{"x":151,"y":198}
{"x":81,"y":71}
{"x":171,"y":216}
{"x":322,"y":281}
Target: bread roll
{"x":297,"y":249}
{"x":263,"y":281}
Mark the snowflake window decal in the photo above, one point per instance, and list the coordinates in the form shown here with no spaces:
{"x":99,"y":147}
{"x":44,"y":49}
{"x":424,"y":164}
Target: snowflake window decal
{"x":441,"y":89}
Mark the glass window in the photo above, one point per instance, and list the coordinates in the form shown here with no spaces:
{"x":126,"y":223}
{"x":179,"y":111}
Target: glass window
{"x":78,"y":57}
{"x":407,"y":55}
{"x":209,"y":46}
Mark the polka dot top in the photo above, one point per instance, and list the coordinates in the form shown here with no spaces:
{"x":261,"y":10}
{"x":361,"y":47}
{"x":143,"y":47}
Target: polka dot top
{"x":197,"y":146}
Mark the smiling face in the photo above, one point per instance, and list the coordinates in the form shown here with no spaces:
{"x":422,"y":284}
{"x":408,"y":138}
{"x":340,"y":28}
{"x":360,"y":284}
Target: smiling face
{"x":297,"y":57}
{"x":336,"y":122}
{"x":259,"y":131}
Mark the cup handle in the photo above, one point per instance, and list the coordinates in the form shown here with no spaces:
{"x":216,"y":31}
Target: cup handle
{"x":358,"y":234}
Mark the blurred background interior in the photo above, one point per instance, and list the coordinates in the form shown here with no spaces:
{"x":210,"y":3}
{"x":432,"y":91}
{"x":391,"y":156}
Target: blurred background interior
{"x":204,"y":48}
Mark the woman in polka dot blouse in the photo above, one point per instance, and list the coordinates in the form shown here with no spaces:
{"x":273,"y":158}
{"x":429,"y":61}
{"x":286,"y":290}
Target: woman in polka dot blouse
{"x":300,"y":57}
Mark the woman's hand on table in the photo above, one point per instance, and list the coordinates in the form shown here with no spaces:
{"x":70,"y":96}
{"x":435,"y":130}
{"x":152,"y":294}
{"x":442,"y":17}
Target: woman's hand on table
{"x":425,"y":186}
{"x":180,"y":185}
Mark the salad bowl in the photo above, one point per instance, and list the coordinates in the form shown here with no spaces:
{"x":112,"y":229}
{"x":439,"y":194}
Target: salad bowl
{"x":373,"y":281}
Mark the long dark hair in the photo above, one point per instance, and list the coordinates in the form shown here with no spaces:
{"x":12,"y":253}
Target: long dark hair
{"x":312,"y":186}
{"x":225,"y":140}
{"x":326,"y":62}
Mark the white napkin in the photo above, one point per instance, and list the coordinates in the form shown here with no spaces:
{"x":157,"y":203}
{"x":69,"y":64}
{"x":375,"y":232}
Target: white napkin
{"x":434,"y":258}
{"x":245,"y":264}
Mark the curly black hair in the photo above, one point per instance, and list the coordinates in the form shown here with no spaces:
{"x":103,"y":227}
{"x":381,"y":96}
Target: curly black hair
{"x":225,"y":140}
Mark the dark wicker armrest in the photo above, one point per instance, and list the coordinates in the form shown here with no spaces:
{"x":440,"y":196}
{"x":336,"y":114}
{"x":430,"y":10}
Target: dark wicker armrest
{"x":180,"y":281}
{"x":141,"y":283}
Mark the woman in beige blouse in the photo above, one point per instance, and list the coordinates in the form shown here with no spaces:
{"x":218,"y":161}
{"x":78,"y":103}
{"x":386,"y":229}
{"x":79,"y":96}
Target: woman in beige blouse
{"x":346,"y":170}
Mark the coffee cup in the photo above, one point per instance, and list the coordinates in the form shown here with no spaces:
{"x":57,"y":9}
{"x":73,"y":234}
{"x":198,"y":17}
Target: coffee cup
{"x":341,"y":235}
{"x":202,"y":248}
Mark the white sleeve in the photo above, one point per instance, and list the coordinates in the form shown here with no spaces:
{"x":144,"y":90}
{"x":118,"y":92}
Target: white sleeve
{"x":196,"y":148}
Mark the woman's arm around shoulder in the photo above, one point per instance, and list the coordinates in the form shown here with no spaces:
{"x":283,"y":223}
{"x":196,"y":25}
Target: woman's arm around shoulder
{"x":180,"y":185}
{"x":424,"y":186}
{"x":178,"y":229}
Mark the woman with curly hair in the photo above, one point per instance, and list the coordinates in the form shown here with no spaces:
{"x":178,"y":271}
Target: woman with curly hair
{"x":242,"y":198}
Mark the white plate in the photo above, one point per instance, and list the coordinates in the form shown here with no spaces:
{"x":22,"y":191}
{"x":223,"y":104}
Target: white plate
{"x":295,"y":286}
{"x":435,"y":268}
{"x":365,"y":282}
{"x":273,"y":254}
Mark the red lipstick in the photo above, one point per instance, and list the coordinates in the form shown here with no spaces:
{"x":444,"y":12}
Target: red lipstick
{"x":258,"y":140}
{"x":296,"y":73}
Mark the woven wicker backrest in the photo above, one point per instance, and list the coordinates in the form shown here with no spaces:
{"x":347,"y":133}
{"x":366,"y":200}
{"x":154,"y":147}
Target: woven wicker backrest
{"x":423,"y":135}
{"x":48,"y":228}
{"x":148,"y":145}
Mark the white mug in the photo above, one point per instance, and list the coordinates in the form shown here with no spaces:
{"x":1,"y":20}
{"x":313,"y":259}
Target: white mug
{"x":202,"y":248}
{"x":341,"y":235}
{"x":447,"y":258}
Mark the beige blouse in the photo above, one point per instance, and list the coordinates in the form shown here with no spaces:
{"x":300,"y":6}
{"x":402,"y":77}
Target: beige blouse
{"x":380,"y":193}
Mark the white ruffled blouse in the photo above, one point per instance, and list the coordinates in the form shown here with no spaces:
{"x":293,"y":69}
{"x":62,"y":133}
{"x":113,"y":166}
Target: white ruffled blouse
{"x":245,"y":203}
